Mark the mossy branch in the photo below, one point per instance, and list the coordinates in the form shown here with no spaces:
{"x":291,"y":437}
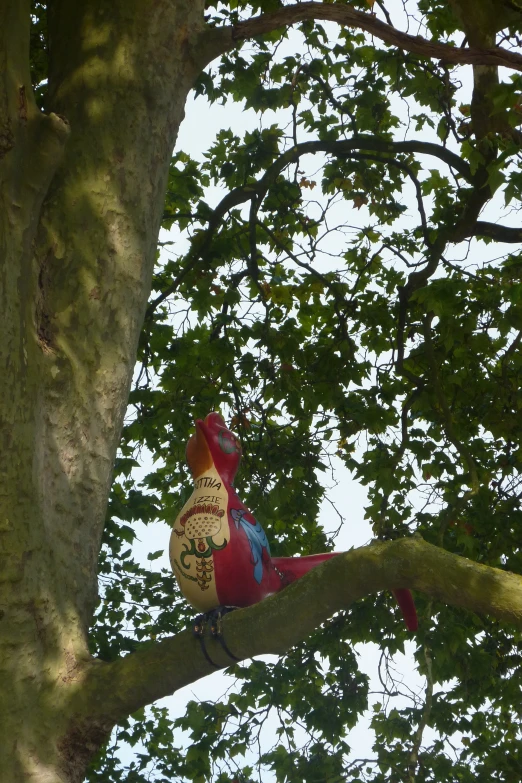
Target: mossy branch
{"x":114,"y":690}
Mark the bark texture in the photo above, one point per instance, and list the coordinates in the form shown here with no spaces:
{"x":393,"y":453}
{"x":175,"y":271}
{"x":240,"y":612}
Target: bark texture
{"x":81,"y":198}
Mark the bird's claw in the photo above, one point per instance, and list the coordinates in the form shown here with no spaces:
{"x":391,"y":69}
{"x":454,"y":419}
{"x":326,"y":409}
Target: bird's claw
{"x":216,"y":627}
{"x":215,"y":617}
{"x":198,"y":628}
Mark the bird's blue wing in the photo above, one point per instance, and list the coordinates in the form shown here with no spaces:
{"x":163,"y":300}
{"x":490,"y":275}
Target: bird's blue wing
{"x":257,"y":540}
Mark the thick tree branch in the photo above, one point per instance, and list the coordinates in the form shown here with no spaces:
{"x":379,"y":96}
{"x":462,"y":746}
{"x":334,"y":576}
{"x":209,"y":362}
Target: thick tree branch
{"x":114,"y":690}
{"x":500,"y":233}
{"x":224,"y":39}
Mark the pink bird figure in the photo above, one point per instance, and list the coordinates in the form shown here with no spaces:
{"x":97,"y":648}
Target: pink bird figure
{"x":219,"y":552}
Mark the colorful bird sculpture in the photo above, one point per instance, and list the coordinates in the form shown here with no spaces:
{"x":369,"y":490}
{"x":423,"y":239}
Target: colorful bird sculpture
{"x":219,"y":552}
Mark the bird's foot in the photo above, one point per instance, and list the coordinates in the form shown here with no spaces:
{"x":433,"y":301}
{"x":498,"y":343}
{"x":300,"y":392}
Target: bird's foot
{"x":198,"y":629}
{"x":215,"y":618}
{"x":216,"y":627}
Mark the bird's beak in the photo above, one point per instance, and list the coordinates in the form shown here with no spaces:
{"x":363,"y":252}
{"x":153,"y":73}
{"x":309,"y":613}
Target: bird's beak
{"x":198,"y":453}
{"x":201,"y":431}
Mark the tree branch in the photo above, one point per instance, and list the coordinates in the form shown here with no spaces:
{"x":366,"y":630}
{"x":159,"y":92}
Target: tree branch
{"x":372,"y":143}
{"x":114,"y":690}
{"x":224,"y":39}
{"x":426,"y":712}
{"x":444,"y":408}
{"x":416,"y":184}
{"x":257,"y":190}
{"x":201,"y":242}
{"x":500,"y":233}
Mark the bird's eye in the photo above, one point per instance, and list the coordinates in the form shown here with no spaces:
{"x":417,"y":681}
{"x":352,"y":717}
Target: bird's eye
{"x":228,"y":442}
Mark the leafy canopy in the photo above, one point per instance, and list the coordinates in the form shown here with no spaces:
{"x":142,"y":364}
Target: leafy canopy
{"x":353,"y":291}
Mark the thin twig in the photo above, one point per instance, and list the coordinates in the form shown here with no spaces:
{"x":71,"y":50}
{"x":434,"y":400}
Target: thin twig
{"x":426,"y":712}
{"x":444,"y":406}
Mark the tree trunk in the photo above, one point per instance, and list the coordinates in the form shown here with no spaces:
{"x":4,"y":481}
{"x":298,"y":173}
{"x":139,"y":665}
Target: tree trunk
{"x":81,"y":192}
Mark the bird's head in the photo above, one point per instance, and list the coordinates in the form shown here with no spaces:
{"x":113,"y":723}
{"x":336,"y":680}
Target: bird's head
{"x":213,"y":444}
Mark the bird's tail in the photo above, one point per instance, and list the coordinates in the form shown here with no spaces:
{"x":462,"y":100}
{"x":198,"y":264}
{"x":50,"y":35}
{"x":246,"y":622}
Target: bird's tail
{"x":287,"y":569}
{"x":407,"y":606}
